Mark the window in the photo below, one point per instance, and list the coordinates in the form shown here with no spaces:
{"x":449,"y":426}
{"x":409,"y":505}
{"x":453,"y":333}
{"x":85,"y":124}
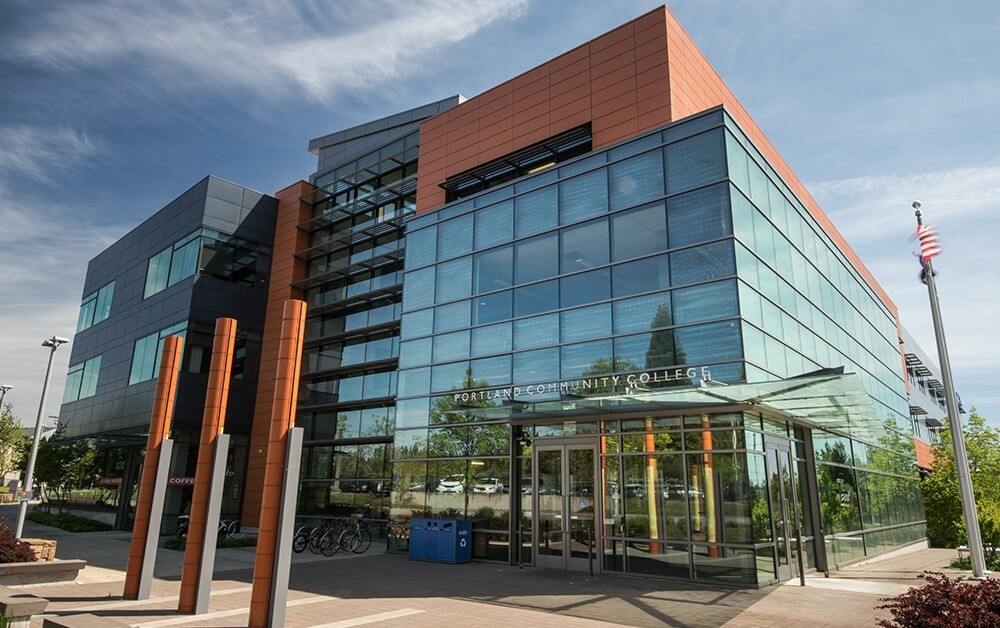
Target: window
{"x":585,"y":246}
{"x":96,"y":307}
{"x":639,"y":232}
{"x":81,"y":380}
{"x":210,"y":253}
{"x":146,"y":353}
{"x":537,"y":258}
{"x":636,"y":179}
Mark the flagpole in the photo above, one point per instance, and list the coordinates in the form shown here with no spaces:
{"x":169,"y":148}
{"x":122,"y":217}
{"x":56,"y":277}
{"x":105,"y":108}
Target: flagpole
{"x":957,"y":438}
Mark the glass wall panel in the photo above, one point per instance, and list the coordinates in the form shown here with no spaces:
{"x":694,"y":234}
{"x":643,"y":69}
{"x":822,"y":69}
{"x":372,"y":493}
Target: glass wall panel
{"x":491,"y":339}
{"x":583,"y":196}
{"x":585,"y":288}
{"x":699,"y":215}
{"x":588,"y":358}
{"x":644,"y":275}
{"x":494,"y":269}
{"x":536,"y":331}
{"x":451,"y":346}
{"x":714,"y":342}
{"x":535,"y":211}
{"x":585,"y":323}
{"x":537,"y":258}
{"x":642,"y":313}
{"x":494,"y":371}
{"x":704,"y":302}
{"x":492,"y":307}
{"x":494,"y":225}
{"x":416,"y":323}
{"x":451,"y":316}
{"x":695,"y":161}
{"x":639,"y":232}
{"x":419,"y":292}
{"x":702,"y":263}
{"x":454,"y":280}
{"x":449,"y":376}
{"x":421,"y":247}
{"x":538,"y":297}
{"x":585,"y":246}
{"x":636,"y":180}
{"x":541,"y":365}
{"x":454,"y":237}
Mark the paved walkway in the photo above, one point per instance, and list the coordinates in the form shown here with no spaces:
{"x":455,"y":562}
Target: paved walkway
{"x":377,"y":588}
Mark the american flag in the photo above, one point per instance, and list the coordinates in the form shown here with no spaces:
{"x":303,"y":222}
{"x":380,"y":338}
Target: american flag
{"x":929,"y":245}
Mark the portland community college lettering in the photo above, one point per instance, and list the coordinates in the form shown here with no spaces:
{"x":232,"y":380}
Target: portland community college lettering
{"x":590,"y":384}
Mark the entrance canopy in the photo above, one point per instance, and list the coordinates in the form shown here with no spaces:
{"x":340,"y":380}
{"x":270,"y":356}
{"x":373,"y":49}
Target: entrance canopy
{"x":836,"y":402}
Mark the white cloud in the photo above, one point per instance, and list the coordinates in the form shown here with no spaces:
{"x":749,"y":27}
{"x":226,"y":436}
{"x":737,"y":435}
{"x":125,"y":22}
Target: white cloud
{"x":264,"y":46}
{"x":875,"y":215}
{"x":41,"y":154}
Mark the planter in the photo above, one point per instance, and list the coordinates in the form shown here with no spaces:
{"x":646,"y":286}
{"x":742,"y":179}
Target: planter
{"x":12,"y":574}
{"x":44,"y":549}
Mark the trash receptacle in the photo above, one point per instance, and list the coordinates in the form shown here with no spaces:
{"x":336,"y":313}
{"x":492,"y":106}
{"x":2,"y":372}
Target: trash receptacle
{"x":418,"y":531}
{"x":441,"y":540}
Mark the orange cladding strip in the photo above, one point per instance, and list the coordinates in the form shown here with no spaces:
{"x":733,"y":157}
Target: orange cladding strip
{"x":286,"y":389}
{"x":925,"y":455}
{"x":286,"y":269}
{"x":159,"y":426}
{"x":212,"y":423}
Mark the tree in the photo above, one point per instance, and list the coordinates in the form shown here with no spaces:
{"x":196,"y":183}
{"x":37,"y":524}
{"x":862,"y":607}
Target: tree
{"x":63,"y":466}
{"x":12,"y":441}
{"x":942,"y":500}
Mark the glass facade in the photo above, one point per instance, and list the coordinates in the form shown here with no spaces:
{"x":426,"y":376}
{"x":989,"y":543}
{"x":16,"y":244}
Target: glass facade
{"x":677,"y":258}
{"x":353,"y":287}
{"x":81,"y":380}
{"x":96,"y":307}
{"x":208,"y":253}
{"x":147,"y":351}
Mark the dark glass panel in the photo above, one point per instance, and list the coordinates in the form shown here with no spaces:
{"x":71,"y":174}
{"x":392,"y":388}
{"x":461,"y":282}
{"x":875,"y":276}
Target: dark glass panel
{"x":639,"y":232}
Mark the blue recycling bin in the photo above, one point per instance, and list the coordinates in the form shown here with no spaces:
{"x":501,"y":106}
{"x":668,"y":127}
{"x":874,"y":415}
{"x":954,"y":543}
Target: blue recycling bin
{"x":441,"y":540}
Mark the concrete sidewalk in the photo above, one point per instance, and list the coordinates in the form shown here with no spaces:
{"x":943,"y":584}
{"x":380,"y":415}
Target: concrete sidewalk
{"x":391,"y":590}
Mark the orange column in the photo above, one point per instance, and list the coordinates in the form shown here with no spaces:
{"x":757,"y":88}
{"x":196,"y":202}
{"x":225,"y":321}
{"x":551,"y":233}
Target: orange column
{"x":652,"y":495}
{"x":159,"y":428}
{"x":710,"y":514}
{"x":211,"y":426}
{"x":286,"y":389}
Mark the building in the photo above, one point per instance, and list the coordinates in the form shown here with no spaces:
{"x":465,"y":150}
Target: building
{"x":204,"y":255}
{"x":591,"y":310}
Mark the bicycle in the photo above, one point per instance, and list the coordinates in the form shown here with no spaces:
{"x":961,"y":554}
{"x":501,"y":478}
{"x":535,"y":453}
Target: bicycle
{"x":356,"y":538}
{"x":301,"y":539}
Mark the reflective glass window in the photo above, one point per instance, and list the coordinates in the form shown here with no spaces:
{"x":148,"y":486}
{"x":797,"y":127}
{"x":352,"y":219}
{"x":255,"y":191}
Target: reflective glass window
{"x":535,"y":211}
{"x":536,"y":298}
{"x":696,"y":160}
{"x":585,"y":287}
{"x":645,"y":351}
{"x":713,"y":342}
{"x":419,"y":291}
{"x":454,"y":237}
{"x":644,"y":275}
{"x":492,"y":307}
{"x":537,"y":258}
{"x":417,"y":323}
{"x":703,"y":302}
{"x":451,"y":316}
{"x":639,"y":232}
{"x":414,"y":352}
{"x":536,"y":331}
{"x":412,"y":412}
{"x":586,"y":322}
{"x":157,"y":273}
{"x":454,"y":279}
{"x":495,"y":371}
{"x":636,"y":179}
{"x":541,"y":365}
{"x":494,"y":224}
{"x":451,"y":346}
{"x":449,"y":376}
{"x":642,"y":313}
{"x":702,"y":263}
{"x":493,"y":270}
{"x":491,"y":339}
{"x":699,"y":215}
{"x":421,"y":247}
{"x":414,"y":382}
{"x":587,"y":358}
{"x":584,"y":246}
{"x":583,"y":196}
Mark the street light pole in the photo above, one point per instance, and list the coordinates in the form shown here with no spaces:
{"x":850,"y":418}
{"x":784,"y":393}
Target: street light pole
{"x":3,"y":394}
{"x":52,"y":343}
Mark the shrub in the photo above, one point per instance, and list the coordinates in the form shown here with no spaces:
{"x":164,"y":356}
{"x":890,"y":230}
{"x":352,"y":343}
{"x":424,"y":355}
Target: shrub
{"x":965,"y":562}
{"x":68,"y":522}
{"x":178,"y":543}
{"x":11,"y":549}
{"x":946,"y":603}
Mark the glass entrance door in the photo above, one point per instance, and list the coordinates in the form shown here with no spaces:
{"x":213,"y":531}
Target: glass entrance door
{"x":564,"y":502}
{"x":782,"y":498}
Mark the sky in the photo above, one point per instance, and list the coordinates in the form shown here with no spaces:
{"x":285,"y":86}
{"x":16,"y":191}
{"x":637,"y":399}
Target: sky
{"x":110,"y":109}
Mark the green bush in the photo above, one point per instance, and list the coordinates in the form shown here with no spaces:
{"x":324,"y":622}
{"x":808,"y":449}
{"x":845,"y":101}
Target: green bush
{"x":946,"y":603}
{"x":68,"y":522}
{"x":992,"y":564}
{"x":178,"y":543}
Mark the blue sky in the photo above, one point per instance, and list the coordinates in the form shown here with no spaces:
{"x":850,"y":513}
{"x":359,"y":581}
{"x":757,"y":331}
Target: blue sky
{"x":110,"y":109}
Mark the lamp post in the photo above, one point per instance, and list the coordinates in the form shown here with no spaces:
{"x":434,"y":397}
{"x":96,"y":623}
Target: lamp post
{"x":53,"y":343}
{"x":3,"y":394}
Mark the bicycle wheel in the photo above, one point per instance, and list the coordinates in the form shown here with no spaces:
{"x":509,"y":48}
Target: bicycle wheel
{"x":349,"y":540}
{"x":329,"y":545}
{"x":300,"y":540}
{"x":314,"y":538}
{"x":364,"y":542}
{"x":234,"y":529}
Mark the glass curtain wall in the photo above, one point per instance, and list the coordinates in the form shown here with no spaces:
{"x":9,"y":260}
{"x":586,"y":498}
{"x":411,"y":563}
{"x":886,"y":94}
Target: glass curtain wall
{"x":353,"y":288}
